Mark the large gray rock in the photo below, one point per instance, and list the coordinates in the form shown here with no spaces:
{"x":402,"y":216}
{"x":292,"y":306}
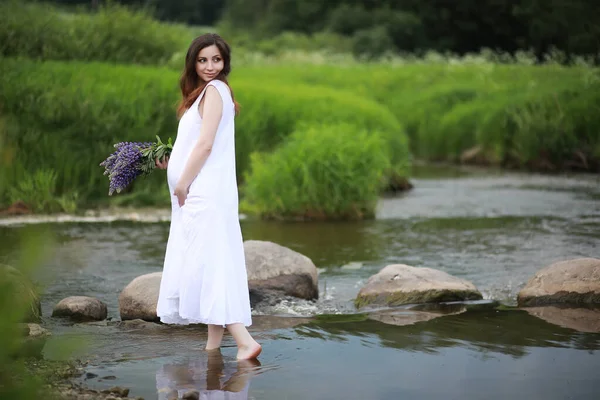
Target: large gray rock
{"x":277,"y":270}
{"x":80,"y":308}
{"x":139,"y":299}
{"x":566,"y":282}
{"x":23,"y":290}
{"x":399,"y":284}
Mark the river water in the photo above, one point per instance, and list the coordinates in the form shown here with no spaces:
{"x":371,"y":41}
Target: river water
{"x":493,"y":228}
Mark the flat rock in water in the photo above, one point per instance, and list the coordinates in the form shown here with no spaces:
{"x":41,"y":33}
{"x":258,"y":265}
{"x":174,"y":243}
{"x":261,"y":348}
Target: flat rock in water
{"x":273,"y":268}
{"x":566,"y":282}
{"x":139,"y":299}
{"x":81,"y":308}
{"x":402,"y":284}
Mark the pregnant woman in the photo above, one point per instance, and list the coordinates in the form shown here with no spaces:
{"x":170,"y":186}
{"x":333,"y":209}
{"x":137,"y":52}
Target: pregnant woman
{"x":204,"y":276}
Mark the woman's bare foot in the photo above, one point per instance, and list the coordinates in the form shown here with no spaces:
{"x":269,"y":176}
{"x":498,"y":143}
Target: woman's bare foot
{"x":249,"y":352}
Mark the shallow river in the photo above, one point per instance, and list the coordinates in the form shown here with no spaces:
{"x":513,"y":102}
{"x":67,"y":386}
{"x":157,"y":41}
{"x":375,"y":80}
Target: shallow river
{"x":493,"y":228}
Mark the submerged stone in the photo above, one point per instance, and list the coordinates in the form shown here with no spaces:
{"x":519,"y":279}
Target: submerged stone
{"x":81,"y":308}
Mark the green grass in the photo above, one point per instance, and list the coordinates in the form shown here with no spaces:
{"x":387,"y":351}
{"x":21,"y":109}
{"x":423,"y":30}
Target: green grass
{"x":113,"y":34}
{"x":320,"y":172}
{"x":60,"y":121}
{"x":523,"y":116}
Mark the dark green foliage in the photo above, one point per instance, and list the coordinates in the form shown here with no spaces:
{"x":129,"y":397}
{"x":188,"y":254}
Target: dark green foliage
{"x":371,"y":43}
{"x":460,"y":26}
{"x":193,"y":12}
{"x":19,"y":302}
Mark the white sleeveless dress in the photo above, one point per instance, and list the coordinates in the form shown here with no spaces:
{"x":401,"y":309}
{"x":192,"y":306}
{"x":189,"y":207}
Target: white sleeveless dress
{"x":204,"y":276}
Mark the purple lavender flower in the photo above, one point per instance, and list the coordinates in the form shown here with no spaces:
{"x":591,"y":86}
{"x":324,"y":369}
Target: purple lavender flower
{"x":124,"y":165}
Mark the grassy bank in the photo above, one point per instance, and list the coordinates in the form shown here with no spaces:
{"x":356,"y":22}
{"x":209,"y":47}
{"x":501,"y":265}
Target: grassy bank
{"x":539,"y":117}
{"x":60,"y":125}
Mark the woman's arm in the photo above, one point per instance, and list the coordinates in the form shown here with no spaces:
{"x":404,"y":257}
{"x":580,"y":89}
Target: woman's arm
{"x":212,"y":112}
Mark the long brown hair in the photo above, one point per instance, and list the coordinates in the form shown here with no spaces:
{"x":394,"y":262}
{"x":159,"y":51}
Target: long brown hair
{"x":190,"y":83}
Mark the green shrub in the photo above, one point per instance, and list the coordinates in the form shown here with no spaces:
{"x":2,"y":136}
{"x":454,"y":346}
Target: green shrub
{"x":320,"y":171}
{"x":271,"y":111}
{"x":113,"y":33}
{"x":371,"y":43}
{"x":286,"y":41}
{"x":546,"y":131}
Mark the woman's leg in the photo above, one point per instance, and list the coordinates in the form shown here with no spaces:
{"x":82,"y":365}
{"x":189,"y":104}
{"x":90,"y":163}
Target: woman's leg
{"x":215,"y":335}
{"x":248,"y":348}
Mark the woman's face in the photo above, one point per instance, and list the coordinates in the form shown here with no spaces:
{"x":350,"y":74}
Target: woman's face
{"x":209,"y":63}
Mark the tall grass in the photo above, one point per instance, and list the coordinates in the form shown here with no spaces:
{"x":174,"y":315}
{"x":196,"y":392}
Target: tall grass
{"x":272,"y":110}
{"x":447,"y":109}
{"x":320,"y":171}
{"x":67,"y":123}
{"x":114,"y":33}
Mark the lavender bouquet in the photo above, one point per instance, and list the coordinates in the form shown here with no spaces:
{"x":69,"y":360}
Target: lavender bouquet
{"x":132,"y":159}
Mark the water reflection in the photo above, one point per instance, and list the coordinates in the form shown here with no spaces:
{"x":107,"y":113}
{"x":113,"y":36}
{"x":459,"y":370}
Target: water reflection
{"x":211,"y":376}
{"x":487,"y":330}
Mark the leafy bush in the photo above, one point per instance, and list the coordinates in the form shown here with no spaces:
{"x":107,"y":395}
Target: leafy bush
{"x":114,"y":33}
{"x":271,"y":111}
{"x":372,"y":43}
{"x":320,"y":171}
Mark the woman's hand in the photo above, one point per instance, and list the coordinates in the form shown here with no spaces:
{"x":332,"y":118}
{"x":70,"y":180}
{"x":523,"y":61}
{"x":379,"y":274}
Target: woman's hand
{"x":162,"y":164}
{"x":181,"y":192}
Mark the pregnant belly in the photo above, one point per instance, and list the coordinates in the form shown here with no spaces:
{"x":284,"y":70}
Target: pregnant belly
{"x":172,"y":177}
{"x":177,"y":162}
